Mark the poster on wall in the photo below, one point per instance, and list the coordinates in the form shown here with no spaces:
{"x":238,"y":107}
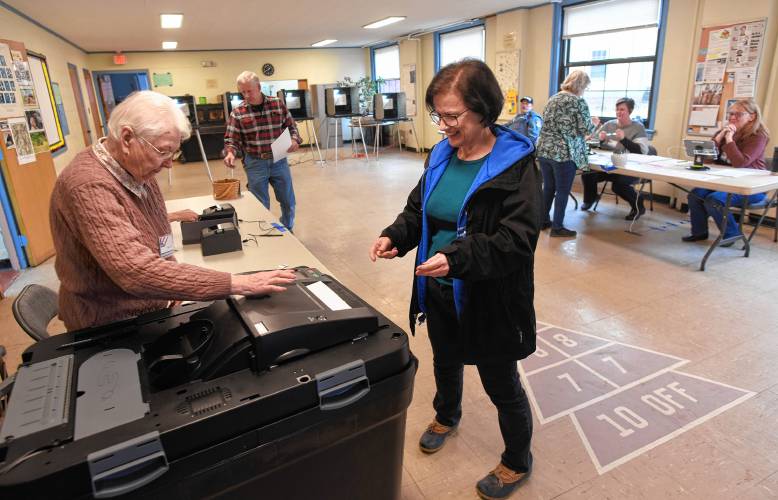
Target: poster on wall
{"x":507,"y":73}
{"x":708,"y":94}
{"x":10,"y":100}
{"x":21,"y":69}
{"x":34,"y":120}
{"x":25,"y":151}
{"x":5,"y":135}
{"x":745,"y":82}
{"x":718,"y":44}
{"x":746,"y":46}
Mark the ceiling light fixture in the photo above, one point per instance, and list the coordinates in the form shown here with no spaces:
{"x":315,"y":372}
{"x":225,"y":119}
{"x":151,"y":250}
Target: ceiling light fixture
{"x":169,"y":45}
{"x":384,"y":22}
{"x":323,"y":43}
{"x":171,"y":21}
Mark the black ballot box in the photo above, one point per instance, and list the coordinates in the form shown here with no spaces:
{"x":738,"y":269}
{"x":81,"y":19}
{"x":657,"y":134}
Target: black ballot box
{"x":227,"y":399}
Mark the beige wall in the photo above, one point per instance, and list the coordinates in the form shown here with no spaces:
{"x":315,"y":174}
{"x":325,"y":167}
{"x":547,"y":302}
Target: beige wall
{"x":58,"y":53}
{"x":533,"y":28}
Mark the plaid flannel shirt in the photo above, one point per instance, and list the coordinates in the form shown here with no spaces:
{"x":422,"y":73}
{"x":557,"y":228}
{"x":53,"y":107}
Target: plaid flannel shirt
{"x":253,"y":128}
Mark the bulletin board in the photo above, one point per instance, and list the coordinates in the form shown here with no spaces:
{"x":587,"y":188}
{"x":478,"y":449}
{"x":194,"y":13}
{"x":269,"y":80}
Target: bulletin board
{"x":48,"y":109}
{"x":726,"y":69}
{"x":507,"y":74}
{"x":27,"y":166}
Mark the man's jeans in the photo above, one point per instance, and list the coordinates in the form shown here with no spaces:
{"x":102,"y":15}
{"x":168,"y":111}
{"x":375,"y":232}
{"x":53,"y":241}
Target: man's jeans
{"x":259,"y":172}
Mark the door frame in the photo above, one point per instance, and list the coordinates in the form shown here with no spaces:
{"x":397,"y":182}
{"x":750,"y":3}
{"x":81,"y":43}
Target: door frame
{"x":90,"y":92}
{"x":78,"y":95}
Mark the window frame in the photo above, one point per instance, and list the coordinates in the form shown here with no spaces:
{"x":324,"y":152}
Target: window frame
{"x":459,"y":27}
{"x":561,"y":55}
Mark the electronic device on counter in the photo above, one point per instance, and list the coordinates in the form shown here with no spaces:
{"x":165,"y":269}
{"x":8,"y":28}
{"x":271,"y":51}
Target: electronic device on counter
{"x":201,"y":398}
{"x":223,"y":237}
{"x":700,"y":150}
{"x":389,"y":106}
{"x":191,"y":232}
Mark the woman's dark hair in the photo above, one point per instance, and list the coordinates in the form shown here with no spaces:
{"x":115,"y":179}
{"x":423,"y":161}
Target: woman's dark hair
{"x":475,"y":82}
{"x":628,"y":101}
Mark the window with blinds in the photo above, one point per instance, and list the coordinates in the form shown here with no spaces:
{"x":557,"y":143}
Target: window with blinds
{"x":457,"y":45}
{"x":615,"y":42}
{"x":387,"y":62}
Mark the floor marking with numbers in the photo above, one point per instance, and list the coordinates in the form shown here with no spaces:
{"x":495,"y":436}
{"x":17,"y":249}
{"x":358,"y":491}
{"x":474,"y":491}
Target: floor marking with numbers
{"x":615,"y":453}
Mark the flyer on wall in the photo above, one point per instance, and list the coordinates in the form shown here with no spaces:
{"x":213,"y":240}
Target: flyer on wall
{"x":5,"y":135}
{"x":10,"y":100}
{"x":25,"y":152}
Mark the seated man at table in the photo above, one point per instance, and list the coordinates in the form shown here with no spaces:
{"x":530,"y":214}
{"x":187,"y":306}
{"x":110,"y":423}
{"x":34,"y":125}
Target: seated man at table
{"x":111,"y":230}
{"x":741,"y":143}
{"x":620,"y":135}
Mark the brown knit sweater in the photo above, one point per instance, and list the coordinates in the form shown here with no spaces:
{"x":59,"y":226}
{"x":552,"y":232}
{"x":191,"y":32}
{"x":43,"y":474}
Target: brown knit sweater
{"x":108,"y":259}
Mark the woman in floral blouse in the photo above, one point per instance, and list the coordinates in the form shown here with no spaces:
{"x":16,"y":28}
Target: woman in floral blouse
{"x":562,"y":147}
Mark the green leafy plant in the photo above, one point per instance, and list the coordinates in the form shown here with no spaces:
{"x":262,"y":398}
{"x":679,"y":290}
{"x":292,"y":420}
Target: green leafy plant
{"x":367,"y":89}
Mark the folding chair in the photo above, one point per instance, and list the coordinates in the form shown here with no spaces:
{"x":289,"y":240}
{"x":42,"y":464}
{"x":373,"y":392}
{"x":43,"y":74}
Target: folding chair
{"x":765,"y":205}
{"x":642,"y":181}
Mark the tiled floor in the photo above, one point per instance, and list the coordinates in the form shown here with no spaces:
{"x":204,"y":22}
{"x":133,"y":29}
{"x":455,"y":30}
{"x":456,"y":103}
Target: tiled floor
{"x":641,"y":290}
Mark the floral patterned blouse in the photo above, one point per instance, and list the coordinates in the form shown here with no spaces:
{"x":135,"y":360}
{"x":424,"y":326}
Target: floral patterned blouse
{"x":566,"y":122}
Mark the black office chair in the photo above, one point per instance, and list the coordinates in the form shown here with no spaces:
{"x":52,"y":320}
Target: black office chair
{"x":765,"y":205}
{"x":642,"y":181}
{"x":5,"y":383}
{"x":34,"y":308}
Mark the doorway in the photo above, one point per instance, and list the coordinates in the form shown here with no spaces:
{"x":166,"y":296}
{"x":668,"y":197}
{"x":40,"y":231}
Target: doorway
{"x":80,"y":109}
{"x":114,"y":86}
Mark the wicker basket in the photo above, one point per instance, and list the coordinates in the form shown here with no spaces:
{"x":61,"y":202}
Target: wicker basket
{"x":226,"y":189}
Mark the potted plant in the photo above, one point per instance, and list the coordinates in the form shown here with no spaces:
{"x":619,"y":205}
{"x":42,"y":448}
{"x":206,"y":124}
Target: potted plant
{"x":367,"y":89}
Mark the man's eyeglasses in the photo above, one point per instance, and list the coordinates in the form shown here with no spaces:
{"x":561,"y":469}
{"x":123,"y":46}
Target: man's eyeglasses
{"x":165,"y":155}
{"x":448,"y":120}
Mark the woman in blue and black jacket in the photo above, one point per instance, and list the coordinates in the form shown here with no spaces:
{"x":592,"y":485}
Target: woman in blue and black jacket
{"x":475,"y":217}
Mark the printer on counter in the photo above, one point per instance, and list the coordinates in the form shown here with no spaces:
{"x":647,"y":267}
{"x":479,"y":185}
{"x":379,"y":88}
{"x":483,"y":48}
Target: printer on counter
{"x":191,"y":232}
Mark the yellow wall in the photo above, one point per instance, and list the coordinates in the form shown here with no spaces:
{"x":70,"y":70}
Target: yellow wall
{"x":58,"y":53}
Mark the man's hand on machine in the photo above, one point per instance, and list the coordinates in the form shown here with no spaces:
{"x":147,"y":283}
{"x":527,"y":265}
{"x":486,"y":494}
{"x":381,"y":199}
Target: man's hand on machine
{"x":261,"y":283}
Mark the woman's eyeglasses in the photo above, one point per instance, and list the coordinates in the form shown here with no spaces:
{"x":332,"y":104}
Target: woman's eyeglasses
{"x":164,"y":155}
{"x":448,"y":120}
{"x":737,"y":113}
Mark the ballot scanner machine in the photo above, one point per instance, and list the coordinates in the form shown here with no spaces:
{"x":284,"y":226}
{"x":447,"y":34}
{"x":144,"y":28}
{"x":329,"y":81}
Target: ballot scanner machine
{"x":300,"y":394}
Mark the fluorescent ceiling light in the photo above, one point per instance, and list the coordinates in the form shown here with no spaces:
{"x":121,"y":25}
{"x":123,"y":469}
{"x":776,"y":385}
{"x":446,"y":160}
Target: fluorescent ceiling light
{"x":323,"y":43}
{"x":384,"y":22}
{"x":169,"y":45}
{"x":170,"y":21}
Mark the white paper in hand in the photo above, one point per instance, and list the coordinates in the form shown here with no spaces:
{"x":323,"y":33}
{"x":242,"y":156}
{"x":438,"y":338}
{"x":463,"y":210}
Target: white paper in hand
{"x":280,"y":146}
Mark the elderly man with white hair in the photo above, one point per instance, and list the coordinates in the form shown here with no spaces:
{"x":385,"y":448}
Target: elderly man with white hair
{"x":111,"y":230}
{"x":251,"y":129}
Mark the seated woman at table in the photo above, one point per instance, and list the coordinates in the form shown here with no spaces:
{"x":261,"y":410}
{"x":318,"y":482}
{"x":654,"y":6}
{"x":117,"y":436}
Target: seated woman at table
{"x":741,"y":143}
{"x":620,"y":135}
{"x":111,"y":230}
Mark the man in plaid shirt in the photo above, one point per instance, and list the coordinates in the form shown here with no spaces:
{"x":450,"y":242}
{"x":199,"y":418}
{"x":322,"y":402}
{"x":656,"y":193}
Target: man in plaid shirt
{"x":252,"y":128}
